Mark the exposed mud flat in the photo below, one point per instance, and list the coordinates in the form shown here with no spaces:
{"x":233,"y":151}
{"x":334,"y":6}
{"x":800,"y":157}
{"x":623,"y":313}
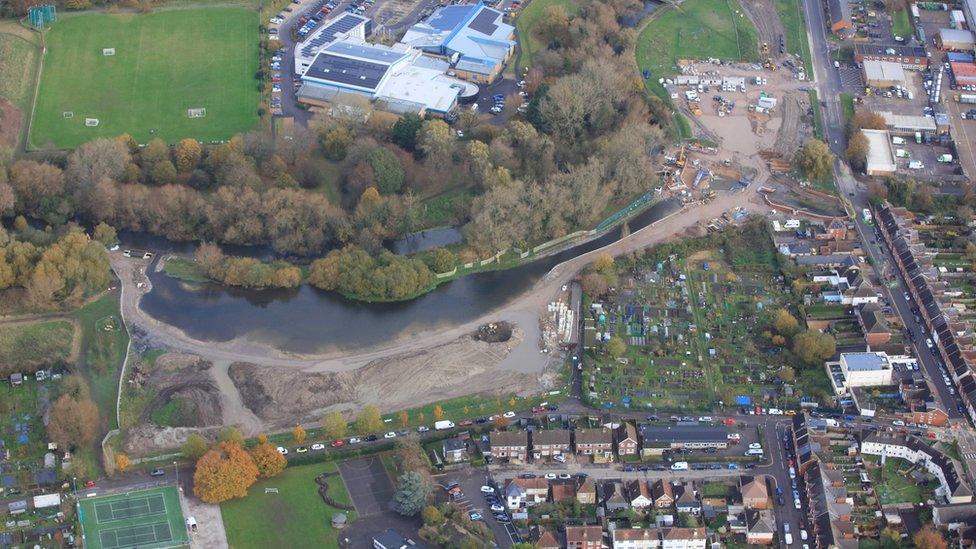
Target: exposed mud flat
{"x":459,"y":368}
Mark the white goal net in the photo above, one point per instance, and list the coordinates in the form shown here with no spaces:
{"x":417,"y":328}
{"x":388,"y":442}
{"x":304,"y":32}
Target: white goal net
{"x":108,"y":52}
{"x":196,"y":113}
{"x":91,"y":122}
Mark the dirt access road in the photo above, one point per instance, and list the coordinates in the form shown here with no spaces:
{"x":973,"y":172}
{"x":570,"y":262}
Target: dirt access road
{"x":533,"y":301}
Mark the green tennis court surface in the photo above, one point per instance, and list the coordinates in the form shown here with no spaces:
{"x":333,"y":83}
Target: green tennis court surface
{"x":147,"y":519}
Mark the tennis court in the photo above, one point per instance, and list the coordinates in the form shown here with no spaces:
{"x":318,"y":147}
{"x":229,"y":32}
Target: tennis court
{"x":147,"y":519}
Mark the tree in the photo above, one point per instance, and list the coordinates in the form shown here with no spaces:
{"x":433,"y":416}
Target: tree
{"x":435,"y":141}
{"x":268,"y":459}
{"x":500,"y":422}
{"x":857,"y":150}
{"x":223,"y":473}
{"x":387,"y":170}
{"x":96,"y":160}
{"x":369,"y":420}
{"x":298,"y":434}
{"x":105,"y":234}
{"x":603,"y":263}
{"x":787,"y":374}
{"x":187,"y":153}
{"x":441,"y":260}
{"x":432,"y":516}
{"x":595,"y":284}
{"x":231,"y":434}
{"x":404,"y":418}
{"x":411,"y":494}
{"x":866,"y":120}
{"x":785,"y":323}
{"x":929,"y":538}
{"x":554,"y":26}
{"x":438,"y":412}
{"x":122,"y":462}
{"x":73,"y":419}
{"x":812,"y":346}
{"x":616,"y":347}
{"x":814,"y":159}
{"x":194,"y":447}
{"x":334,"y":425}
{"x":335,"y":142}
{"x":405,"y":131}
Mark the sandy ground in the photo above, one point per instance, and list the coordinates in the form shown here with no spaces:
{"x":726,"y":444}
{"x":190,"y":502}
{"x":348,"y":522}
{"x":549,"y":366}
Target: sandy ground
{"x":210,"y":524}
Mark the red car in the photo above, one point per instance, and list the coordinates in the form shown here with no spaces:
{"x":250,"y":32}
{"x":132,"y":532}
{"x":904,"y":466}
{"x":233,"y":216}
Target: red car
{"x":466,"y":423}
{"x":89,"y":484}
{"x":338,"y":443}
{"x":538,"y":409}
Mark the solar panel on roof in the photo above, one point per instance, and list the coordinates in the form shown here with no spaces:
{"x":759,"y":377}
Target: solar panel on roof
{"x":338,"y":26}
{"x":484,"y":22}
{"x":342,"y":70}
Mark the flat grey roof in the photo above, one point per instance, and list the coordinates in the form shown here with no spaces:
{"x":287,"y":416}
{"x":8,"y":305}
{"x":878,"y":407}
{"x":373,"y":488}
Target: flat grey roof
{"x":652,"y":434}
{"x":865,"y":362}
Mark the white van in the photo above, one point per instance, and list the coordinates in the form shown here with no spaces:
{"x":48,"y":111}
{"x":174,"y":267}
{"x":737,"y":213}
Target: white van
{"x":444,"y":424}
{"x":679,"y":466}
{"x":754,"y":452}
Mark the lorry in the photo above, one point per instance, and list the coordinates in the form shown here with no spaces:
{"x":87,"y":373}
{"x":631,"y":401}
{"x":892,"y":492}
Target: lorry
{"x":968,"y":98}
{"x":901,"y":153}
{"x":443,"y":424}
{"x":898,"y":140}
{"x":945,"y":158}
{"x":679,"y":466}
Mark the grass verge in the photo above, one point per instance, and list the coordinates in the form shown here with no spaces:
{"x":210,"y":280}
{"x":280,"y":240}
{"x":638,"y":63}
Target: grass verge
{"x":818,"y":124}
{"x":103,"y":343}
{"x":792,"y":16}
{"x":295,"y":516}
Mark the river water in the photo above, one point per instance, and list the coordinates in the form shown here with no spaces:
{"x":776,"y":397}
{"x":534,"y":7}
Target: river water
{"x":307,"y":320}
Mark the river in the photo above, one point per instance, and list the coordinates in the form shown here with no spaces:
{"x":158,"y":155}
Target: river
{"x":307,"y":320}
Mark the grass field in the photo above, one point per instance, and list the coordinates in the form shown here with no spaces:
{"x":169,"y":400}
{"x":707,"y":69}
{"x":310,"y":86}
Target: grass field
{"x":146,"y":519}
{"x":38,"y":345}
{"x":164,"y":64}
{"x":527,"y":21}
{"x":698,"y":29}
{"x":17,"y":57}
{"x":294,"y":517}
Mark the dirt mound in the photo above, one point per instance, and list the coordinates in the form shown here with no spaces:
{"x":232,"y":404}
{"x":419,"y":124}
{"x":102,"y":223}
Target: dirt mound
{"x":146,"y":438}
{"x":494,"y":332}
{"x":183,"y":386}
{"x":455,"y":369}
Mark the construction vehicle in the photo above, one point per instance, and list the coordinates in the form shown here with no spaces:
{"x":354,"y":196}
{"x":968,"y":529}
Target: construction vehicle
{"x":680,"y":160}
{"x":769,"y":65}
{"x":764,"y":49}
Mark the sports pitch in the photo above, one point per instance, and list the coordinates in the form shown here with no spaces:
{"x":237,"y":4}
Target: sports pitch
{"x":147,"y":519}
{"x":163,"y":65}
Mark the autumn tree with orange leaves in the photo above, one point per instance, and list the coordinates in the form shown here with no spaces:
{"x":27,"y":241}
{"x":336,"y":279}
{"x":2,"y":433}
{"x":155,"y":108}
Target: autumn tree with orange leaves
{"x":224,"y":472}
{"x":268,"y":459}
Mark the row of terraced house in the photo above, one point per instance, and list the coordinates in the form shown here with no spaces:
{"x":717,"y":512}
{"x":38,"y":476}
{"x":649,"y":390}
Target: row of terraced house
{"x":952,"y":335}
{"x":602,"y":444}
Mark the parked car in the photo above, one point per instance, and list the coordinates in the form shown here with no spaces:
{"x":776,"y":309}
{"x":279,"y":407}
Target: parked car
{"x":157,"y":472}
{"x":282,"y":450}
{"x":338,"y":443}
{"x":318,"y":447}
{"x":391,"y":434}
{"x":302,"y":449}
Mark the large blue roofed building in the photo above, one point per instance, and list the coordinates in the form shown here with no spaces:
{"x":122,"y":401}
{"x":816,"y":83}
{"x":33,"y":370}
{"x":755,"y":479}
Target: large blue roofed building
{"x":472,"y":37}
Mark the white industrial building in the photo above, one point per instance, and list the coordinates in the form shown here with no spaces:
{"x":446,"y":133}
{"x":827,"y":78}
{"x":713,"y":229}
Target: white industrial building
{"x":397,"y":79}
{"x":883,"y":74}
{"x":908,"y":124}
{"x":866,"y":369}
{"x":880,"y":158}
